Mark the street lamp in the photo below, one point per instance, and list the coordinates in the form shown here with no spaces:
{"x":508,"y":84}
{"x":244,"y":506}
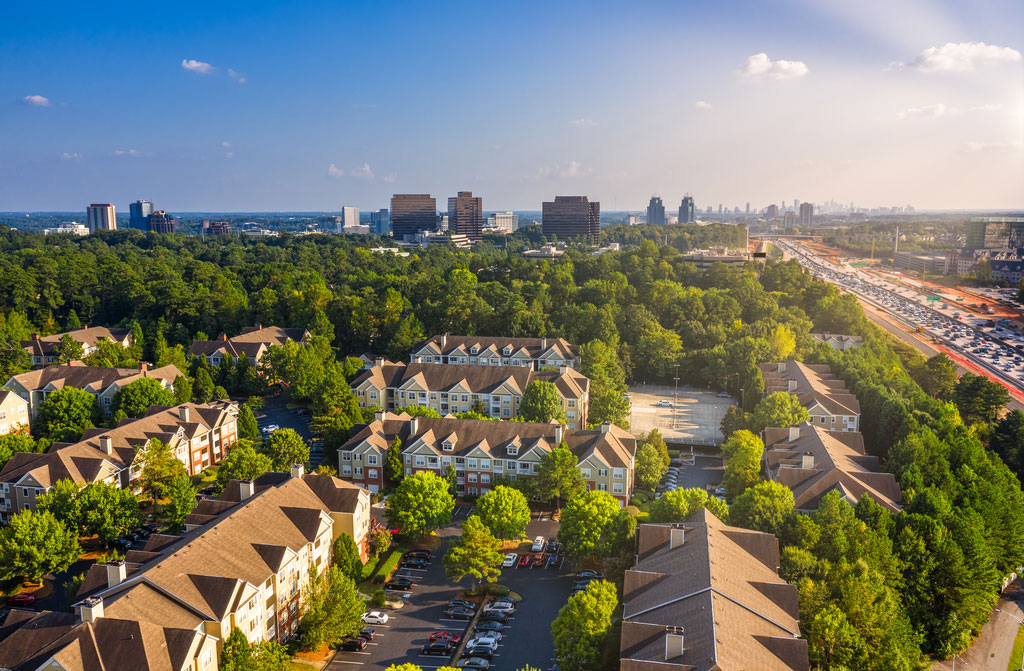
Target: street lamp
{"x":1022,"y":624}
{"x":675,"y":403}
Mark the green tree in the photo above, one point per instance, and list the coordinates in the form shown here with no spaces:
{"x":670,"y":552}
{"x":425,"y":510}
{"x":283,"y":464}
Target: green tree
{"x":581,"y":628}
{"x":105,"y":510}
{"x":109,"y":354}
{"x":346,"y":557}
{"x":34,"y":544}
{"x":12,"y":443}
{"x":202,"y":390}
{"x":272,"y":656}
{"x":505,"y":511}
{"x":159,"y":468}
{"x":182,"y":497}
{"x":780,"y":409}
{"x":938,"y":377}
{"x":734,"y":420}
{"x":649,"y":467}
{"x":333,"y":610}
{"x":475,"y":553}
{"x":63,"y":500}
{"x":451,"y":476}
{"x":286,"y":447}
{"x":242,"y":462}
{"x":421,"y":503}
{"x":65,"y":415}
{"x":69,"y":349}
{"x":593,"y":526}
{"x":979,"y":399}
{"x":247,"y":379}
{"x":763,"y":507}
{"x":379,"y":540}
{"x":393,"y":462}
{"x":558,"y":477}
{"x":237,"y":654}
{"x":655,"y":440}
{"x":679,"y":504}
{"x":248,"y":428}
{"x":182,"y":389}
{"x":541,"y":402}
{"x":1007,"y":440}
{"x":136,"y":398}
{"x":743,"y":452}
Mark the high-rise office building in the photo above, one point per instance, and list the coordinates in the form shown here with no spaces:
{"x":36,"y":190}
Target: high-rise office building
{"x":656,"y":211}
{"x":506,"y":221}
{"x":806,"y":213}
{"x":349,"y":217}
{"x":380,"y":222}
{"x":748,"y":208}
{"x":571,"y":217}
{"x":216,"y":227}
{"x":139,"y":212}
{"x":789,"y":219}
{"x":101,"y":217}
{"x":466,"y":215}
{"x":329,"y":223}
{"x":411,"y":213}
{"x":687,"y":215}
{"x":161,"y":222}
{"x":720,"y":208}
{"x":772,"y":212}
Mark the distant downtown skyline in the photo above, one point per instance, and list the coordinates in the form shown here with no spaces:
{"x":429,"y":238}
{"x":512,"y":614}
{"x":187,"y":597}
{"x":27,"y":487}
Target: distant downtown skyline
{"x":185,"y":105}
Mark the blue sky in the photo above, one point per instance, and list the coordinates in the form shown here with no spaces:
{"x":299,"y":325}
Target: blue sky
{"x":313,"y":105}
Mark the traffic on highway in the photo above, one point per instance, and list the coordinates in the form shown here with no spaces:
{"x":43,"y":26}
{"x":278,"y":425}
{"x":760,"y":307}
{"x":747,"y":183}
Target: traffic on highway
{"x":986,"y":342}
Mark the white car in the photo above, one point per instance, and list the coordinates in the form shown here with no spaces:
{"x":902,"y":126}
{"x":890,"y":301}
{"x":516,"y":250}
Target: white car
{"x":375,"y":617}
{"x":510,"y":560}
{"x":500,"y":607}
{"x":538,"y":544}
{"x":664,"y":404}
{"x":484,"y":641}
{"x":270,"y":428}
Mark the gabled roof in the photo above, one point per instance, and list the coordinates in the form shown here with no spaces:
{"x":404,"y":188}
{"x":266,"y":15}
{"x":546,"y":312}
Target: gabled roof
{"x":87,"y":335}
{"x":815,"y":383}
{"x":718,"y":587}
{"x":836,"y":461}
{"x":531,"y":347}
{"x":475,"y":379}
{"x":251,"y":341}
{"x":91,"y":378}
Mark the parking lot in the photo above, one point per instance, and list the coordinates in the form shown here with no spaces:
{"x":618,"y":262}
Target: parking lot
{"x":275,"y":413}
{"x":526,"y":637}
{"x":697,"y":473}
{"x":693,"y":418}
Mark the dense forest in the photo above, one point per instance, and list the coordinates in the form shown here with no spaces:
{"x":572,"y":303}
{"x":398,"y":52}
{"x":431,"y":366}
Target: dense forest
{"x":878,"y":591}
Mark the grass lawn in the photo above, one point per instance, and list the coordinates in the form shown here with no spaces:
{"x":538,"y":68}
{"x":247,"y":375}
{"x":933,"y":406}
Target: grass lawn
{"x":1018,"y":651}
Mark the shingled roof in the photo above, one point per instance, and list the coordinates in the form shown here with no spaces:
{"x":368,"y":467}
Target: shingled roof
{"x":715,"y":591}
{"x":477,"y":379}
{"x":250,"y":342}
{"x":495,"y":345}
{"x":87,"y":335}
{"x":815,"y":383}
{"x":812,"y":462}
{"x":93,"y":379}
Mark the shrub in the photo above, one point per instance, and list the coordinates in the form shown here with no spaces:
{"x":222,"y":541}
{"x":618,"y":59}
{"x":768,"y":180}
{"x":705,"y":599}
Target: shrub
{"x":377,"y":599}
{"x":497,"y":590}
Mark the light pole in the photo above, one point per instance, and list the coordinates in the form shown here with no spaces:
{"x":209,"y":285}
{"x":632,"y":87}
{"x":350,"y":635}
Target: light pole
{"x":675,"y":402}
{"x":955,"y":657}
{"x":1022,"y":624}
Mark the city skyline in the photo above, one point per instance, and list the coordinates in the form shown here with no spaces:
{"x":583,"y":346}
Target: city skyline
{"x":879,"y":105}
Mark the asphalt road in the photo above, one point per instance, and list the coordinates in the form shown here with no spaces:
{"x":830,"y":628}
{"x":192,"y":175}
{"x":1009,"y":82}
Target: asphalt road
{"x":992,"y":649}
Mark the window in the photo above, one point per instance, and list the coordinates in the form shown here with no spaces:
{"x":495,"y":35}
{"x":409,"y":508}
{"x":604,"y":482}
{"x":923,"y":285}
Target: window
{"x":471,"y":463}
{"x":485,"y":478}
{"x":447,"y":446}
{"x":106,"y":400}
{"x":616,"y":488}
{"x":602,"y":487}
{"x":497,"y":465}
{"x":511,"y":465}
{"x":346,"y":456}
{"x":207,"y":658}
{"x":358,"y":457}
{"x":513,"y":450}
{"x":618,"y":473}
{"x":408,"y":458}
{"x":359,"y":471}
{"x":420,"y":461}
{"x":485,"y":464}
{"x":371,"y":459}
{"x":474,"y":349}
{"x":505,"y":412}
{"x":472,"y":477}
{"x":459,"y":461}
{"x":433,"y":396}
{"x":472,"y":491}
{"x":371,"y":472}
{"x":603,"y":472}
{"x":524,"y":468}
{"x":465,"y":398}
{"x":572,"y":403}
{"x":373,"y":394}
{"x":586,"y":473}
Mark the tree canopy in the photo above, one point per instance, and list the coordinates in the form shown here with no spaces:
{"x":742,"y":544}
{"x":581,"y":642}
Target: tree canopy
{"x":420,"y":504}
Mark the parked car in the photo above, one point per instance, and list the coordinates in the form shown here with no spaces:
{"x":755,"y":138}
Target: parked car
{"x":375,"y":617}
{"x":477,"y":663}
{"x":457,"y":613}
{"x":121,"y":544}
{"x":21,"y":599}
{"x":399,"y":584}
{"x":368,"y":633}
{"x":143,"y":533}
{"x":413,"y":563}
{"x":445,"y":636}
{"x":436,"y":648}
{"x":461,"y":603}
{"x":479,"y":651}
{"x":552,"y":546}
{"x":353,"y":644}
{"x":488,"y":627}
{"x":501,"y":599}
{"x":151,"y":528}
{"x":488,"y":641}
{"x":503,"y":607}
{"x":495,"y":615}
{"x":588,"y":574}
{"x":553,"y":561}
{"x":538,"y":559}
{"x":418,"y":554}
{"x":524,"y":560}
{"x":664,"y":404}
{"x":510,"y":560}
{"x":270,"y":428}
{"x":538,"y":544}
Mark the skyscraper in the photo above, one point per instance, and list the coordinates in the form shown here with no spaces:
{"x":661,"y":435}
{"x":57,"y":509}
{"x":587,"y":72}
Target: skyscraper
{"x":687,"y":215}
{"x":506,"y":221}
{"x":571,"y":217}
{"x":412,"y":212}
{"x":656,"y":211}
{"x":748,"y":208}
{"x":806,"y":213}
{"x":773,"y":211}
{"x":380,"y":222}
{"x":101,"y":217}
{"x":139,"y":212}
{"x":349,"y":217}
{"x":161,"y":222}
{"x":466,"y":215}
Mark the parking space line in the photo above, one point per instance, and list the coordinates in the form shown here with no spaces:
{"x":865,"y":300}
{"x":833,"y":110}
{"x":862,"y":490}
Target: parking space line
{"x":345,"y":661}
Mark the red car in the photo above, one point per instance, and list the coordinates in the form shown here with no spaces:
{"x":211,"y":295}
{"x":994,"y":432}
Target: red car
{"x":538,"y":559}
{"x":21,"y":600}
{"x":445,"y":636}
{"x":524,"y":561}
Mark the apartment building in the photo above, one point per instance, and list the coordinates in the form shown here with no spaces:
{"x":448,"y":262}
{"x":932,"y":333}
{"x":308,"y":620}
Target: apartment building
{"x":244,"y":563}
{"x":813,"y":461}
{"x":824,"y":395}
{"x":839,"y":342}
{"x":482,"y":450}
{"x":43,"y":349}
{"x":14,"y":415}
{"x":532,"y":353}
{"x":704,"y":596}
{"x":252,"y":342}
{"x":34,"y":386}
{"x":199,"y":435}
{"x":455,"y":388}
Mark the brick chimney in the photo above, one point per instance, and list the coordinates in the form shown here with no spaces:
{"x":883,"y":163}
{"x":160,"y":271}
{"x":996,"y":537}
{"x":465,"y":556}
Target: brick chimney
{"x":223,"y":337}
{"x":543,"y":343}
{"x":116,"y":573}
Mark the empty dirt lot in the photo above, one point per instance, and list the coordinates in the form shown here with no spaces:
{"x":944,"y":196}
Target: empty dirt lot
{"x":694,"y":419}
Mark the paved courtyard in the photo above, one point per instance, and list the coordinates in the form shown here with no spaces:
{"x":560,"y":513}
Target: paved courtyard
{"x":694,"y":418}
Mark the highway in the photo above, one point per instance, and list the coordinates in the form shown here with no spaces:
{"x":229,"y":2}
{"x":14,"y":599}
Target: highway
{"x":975,"y":346}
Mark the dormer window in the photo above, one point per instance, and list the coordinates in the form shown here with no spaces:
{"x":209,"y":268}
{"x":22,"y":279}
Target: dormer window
{"x":474,"y":350}
{"x":447,"y":446}
{"x":507,"y":351}
{"x":513,"y":450}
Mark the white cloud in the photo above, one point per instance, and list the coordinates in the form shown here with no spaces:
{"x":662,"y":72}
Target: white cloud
{"x":230,"y":154}
{"x":237,"y":76}
{"x":335,"y":171}
{"x":702,"y":105}
{"x":928,"y":112}
{"x":759,"y":66}
{"x":225,"y":144}
{"x":131,"y":153}
{"x":36,"y":101}
{"x":363,"y":171}
{"x":583,"y":123}
{"x":567,"y":171}
{"x":987,"y":108}
{"x":70,"y":157}
{"x":199,"y":67}
{"x":391,"y":177}
{"x":975,"y":147}
{"x":959,"y":57}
